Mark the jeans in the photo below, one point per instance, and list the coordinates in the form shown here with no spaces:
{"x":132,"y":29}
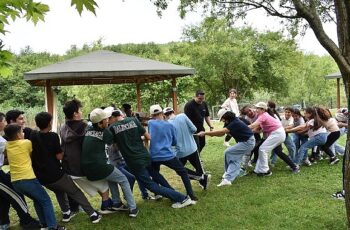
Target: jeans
{"x":42,"y":203}
{"x":144,"y":175}
{"x":276,"y":138}
{"x":318,"y":140}
{"x":131,"y":178}
{"x":178,"y":167}
{"x":336,"y":147}
{"x":233,"y":157}
{"x":118,"y":177}
{"x":299,"y":139}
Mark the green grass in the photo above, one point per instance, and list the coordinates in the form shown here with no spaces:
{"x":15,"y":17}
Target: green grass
{"x":282,"y":201}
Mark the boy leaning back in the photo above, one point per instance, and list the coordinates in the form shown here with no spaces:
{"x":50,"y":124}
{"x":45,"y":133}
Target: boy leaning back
{"x":23,"y":177}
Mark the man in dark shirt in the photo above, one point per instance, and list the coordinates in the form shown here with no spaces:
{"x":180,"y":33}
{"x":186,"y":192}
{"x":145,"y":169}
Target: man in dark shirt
{"x":17,"y":117}
{"x":197,"y":111}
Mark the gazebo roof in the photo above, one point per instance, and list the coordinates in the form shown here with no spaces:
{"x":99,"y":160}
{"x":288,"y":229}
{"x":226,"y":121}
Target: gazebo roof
{"x":105,"y":67}
{"x":333,"y":75}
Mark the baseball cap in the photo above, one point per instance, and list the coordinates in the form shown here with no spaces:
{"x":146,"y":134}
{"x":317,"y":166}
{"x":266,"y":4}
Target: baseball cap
{"x":261,"y":104}
{"x":98,"y":115}
{"x":221,"y":113}
{"x":168,"y":110}
{"x":155,"y":109}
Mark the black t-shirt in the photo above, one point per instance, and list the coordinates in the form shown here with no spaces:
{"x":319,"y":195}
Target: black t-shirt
{"x":197,"y":113}
{"x":45,"y":164}
{"x":239,"y":130}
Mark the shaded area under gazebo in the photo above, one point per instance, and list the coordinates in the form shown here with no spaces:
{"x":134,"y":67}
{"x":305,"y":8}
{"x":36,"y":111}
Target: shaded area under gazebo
{"x":337,"y":76}
{"x":105,"y":67}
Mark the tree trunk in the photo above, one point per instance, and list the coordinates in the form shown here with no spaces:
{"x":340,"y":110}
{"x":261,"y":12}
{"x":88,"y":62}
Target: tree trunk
{"x":346,"y":176}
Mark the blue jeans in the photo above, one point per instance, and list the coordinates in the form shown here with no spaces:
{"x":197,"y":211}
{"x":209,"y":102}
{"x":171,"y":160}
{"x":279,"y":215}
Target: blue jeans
{"x":178,"y":167}
{"x":118,"y":177}
{"x":144,"y":175}
{"x":318,"y":140}
{"x":131,"y":178}
{"x":299,"y":140}
{"x":233,"y":157}
{"x":42,"y":203}
{"x":290,"y":145}
{"x":336,"y":147}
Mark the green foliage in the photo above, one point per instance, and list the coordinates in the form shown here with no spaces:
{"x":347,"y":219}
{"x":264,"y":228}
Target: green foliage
{"x":90,"y":5}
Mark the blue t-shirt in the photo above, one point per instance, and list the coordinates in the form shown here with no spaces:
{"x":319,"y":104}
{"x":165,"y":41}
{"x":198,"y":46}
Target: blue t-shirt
{"x":239,"y":130}
{"x":163,"y":137}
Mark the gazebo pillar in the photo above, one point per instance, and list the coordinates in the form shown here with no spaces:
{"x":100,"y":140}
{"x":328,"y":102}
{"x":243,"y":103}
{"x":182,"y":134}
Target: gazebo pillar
{"x":50,"y":104}
{"x":174,"y":90}
{"x":338,"y":93}
{"x":138,"y":96}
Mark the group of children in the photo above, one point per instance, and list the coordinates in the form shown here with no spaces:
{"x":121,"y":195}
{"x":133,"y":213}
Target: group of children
{"x":110,"y":152}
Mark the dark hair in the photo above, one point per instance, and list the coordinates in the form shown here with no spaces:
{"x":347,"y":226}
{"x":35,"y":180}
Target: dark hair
{"x":242,"y":111}
{"x":228,"y":116}
{"x":12,"y":115}
{"x":126,"y":106}
{"x":271,"y":109}
{"x":116,"y":113}
{"x":199,"y":92}
{"x":43,"y":119}
{"x":71,"y":107}
{"x":169,"y":113}
{"x":290,"y":109}
{"x":11,"y":131}
{"x":232,"y":90}
{"x":313,"y":112}
{"x":323,"y":114}
{"x":2,"y":116}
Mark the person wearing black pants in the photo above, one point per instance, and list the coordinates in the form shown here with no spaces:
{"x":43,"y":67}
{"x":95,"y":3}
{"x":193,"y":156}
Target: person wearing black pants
{"x":9,"y":197}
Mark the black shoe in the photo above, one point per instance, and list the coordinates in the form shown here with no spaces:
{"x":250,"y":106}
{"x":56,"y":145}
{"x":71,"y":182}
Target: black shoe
{"x":67,"y":217}
{"x":58,"y":227}
{"x":268,"y":173}
{"x":120,"y":207}
{"x":333,"y":160}
{"x":204,"y":182}
{"x":133,"y":213}
{"x":95,"y":218}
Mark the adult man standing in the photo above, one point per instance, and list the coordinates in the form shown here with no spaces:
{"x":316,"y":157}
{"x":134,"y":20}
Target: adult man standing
{"x":197,"y":111}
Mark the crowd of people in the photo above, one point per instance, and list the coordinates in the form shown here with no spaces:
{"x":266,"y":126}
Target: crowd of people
{"x":110,"y":151}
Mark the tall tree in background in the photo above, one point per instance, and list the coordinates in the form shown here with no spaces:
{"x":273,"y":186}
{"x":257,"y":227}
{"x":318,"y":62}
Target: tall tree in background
{"x":297,"y":15}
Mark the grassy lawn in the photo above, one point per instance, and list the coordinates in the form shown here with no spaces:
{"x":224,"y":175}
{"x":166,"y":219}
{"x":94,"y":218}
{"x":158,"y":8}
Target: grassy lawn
{"x":282,"y":201}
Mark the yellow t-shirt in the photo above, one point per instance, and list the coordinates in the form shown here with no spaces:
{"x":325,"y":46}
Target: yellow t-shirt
{"x":18,"y":154}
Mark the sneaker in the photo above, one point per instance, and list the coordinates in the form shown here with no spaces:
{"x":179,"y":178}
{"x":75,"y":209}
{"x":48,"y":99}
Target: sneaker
{"x":67,"y":217}
{"x":204,"y":182}
{"x":226,"y":144}
{"x":95,"y":217}
{"x":158,"y":197}
{"x":307,"y":163}
{"x":296,"y":170}
{"x":149,"y":197}
{"x":133,"y":213}
{"x":186,"y":202}
{"x":333,"y":160}
{"x":268,"y":173}
{"x":120,"y":207}
{"x":242,"y":172}
{"x":224,"y":182}
{"x":340,"y":195}
{"x":194,"y":199}
{"x":107,"y":209}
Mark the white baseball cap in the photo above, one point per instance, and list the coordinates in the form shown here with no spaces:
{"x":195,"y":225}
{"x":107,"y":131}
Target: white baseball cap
{"x":261,"y":104}
{"x":221,"y":113}
{"x":98,"y":115}
{"x":155,"y":109}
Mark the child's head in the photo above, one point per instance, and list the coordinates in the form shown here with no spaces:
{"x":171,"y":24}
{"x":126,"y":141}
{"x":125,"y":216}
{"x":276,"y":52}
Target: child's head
{"x":288,"y":112}
{"x":72,"y":109}
{"x":310,"y":113}
{"x":15,"y":116}
{"x":2,"y":121}
{"x":43,"y":120}
{"x":14,"y":132}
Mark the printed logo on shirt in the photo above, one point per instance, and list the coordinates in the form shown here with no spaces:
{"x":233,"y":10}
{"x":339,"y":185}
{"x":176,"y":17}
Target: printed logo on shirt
{"x":120,"y":128}
{"x":96,"y":134}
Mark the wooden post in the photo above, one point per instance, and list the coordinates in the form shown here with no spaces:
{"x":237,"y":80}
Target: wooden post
{"x":138,"y":95}
{"x":174,"y":89}
{"x":338,"y":93}
{"x":50,"y":103}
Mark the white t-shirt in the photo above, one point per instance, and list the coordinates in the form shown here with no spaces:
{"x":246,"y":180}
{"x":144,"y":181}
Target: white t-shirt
{"x":2,"y":149}
{"x":231,"y":104}
{"x":312,"y":132}
{"x":287,"y":122}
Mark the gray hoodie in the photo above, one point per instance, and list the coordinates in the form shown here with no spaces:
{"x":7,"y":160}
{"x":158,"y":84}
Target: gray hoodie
{"x":72,"y":135}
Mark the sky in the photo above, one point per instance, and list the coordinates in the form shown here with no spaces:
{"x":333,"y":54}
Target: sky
{"x":119,"y":22}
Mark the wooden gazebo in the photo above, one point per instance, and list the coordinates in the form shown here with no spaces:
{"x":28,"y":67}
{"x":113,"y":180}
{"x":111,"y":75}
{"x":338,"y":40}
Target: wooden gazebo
{"x":105,"y":67}
{"x":337,"y":76}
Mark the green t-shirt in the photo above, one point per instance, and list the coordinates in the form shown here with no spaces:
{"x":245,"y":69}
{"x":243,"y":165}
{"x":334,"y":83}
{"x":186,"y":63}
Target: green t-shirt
{"x":127,"y":134}
{"x":93,"y":157}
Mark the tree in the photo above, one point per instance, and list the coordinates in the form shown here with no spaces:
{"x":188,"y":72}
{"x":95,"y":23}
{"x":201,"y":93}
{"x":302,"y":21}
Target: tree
{"x":297,"y":15}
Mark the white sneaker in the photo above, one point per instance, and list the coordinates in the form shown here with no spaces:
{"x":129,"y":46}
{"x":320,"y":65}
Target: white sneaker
{"x":224,"y":182}
{"x":182,"y":204}
{"x":226,"y":144}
